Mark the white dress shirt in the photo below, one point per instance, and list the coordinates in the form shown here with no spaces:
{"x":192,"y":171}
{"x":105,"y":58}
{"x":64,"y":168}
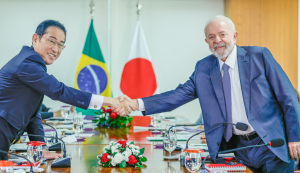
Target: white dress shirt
{"x":237,"y":102}
{"x":96,"y":102}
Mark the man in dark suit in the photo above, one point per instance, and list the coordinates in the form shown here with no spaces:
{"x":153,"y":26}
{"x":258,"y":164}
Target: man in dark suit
{"x":24,"y":81}
{"x":239,"y":84}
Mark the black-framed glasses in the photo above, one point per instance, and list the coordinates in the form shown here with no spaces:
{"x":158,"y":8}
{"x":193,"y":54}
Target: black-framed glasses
{"x":54,"y":43}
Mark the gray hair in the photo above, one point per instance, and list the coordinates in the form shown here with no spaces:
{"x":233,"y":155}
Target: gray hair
{"x":226,"y":19}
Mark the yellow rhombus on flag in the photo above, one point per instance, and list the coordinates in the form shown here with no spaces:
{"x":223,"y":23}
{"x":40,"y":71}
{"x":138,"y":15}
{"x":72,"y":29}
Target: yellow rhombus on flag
{"x":92,"y":74}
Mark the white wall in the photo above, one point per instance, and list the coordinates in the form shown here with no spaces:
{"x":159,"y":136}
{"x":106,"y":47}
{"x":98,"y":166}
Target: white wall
{"x":173,"y":30}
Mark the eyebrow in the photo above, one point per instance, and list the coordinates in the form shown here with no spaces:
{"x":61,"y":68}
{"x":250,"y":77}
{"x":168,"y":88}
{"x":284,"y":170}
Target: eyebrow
{"x":56,"y":38}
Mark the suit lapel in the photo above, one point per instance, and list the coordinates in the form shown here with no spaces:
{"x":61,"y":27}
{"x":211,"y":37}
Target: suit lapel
{"x":216,"y":79}
{"x":244,"y":73}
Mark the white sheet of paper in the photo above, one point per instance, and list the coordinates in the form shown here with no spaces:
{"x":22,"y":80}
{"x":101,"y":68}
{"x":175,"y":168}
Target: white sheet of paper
{"x":69,"y":139}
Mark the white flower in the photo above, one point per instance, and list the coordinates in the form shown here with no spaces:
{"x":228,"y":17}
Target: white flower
{"x":106,"y":147}
{"x":113,"y":163}
{"x":126,"y":157}
{"x":107,"y":118}
{"x":100,"y":163}
{"x":135,"y":152}
{"x":131,"y":146}
{"x":137,"y":147}
{"x":111,"y":143}
{"x":99,"y":156}
{"x":140,"y":156}
{"x":119,"y":145}
{"x":108,"y":156}
{"x":114,"y":149}
{"x":118,"y":158}
{"x":128,"y":151}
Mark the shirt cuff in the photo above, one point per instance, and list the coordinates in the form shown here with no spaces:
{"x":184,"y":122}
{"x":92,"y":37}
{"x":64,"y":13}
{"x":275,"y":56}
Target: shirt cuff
{"x":96,"y":102}
{"x":141,"y":105}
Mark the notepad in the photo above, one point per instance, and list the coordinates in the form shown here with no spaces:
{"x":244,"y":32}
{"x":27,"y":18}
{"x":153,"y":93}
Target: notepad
{"x":229,"y":168}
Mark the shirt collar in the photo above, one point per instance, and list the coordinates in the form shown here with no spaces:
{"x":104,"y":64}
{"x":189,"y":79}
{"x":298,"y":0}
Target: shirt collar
{"x":230,"y":61}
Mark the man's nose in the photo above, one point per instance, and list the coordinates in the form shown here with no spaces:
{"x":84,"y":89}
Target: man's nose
{"x":217,"y":39}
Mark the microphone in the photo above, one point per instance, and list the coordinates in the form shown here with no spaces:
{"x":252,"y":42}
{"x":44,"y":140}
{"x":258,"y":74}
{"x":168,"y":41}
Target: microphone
{"x":5,"y":152}
{"x":61,"y":162}
{"x":278,"y":142}
{"x":238,"y":125}
{"x":56,"y":146}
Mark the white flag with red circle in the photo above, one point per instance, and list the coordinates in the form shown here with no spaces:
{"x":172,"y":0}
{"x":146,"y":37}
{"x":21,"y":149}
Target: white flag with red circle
{"x":138,"y":78}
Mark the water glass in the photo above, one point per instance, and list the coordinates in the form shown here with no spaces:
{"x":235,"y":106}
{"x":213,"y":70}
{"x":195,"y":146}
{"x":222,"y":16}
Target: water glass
{"x":50,"y":141}
{"x":193,"y":162}
{"x":170,"y":143}
{"x":35,"y":151}
{"x":65,"y":113}
{"x":77,"y":124}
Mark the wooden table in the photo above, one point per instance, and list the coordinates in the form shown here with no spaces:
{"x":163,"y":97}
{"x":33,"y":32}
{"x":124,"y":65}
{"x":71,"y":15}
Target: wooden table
{"x":84,"y":154}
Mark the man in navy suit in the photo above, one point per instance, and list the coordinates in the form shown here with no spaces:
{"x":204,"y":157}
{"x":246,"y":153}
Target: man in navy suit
{"x":238,"y":84}
{"x":24,"y":81}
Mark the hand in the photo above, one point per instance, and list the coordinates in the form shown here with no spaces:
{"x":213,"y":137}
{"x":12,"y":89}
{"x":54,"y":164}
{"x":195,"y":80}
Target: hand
{"x":124,"y":108}
{"x":294,"y":149}
{"x":51,"y":155}
{"x":73,"y":109}
{"x":57,"y":113}
{"x":133,"y":104}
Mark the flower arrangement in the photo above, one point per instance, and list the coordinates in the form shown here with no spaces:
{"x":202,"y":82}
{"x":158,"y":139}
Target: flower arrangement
{"x":108,"y":118}
{"x":122,"y":154}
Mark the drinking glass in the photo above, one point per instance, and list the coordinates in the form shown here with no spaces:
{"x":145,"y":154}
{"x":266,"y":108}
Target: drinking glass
{"x":155,"y":122}
{"x":6,"y":166}
{"x":193,"y":162}
{"x":65,"y":113}
{"x":170,"y":143}
{"x":35,"y":151}
{"x":49,"y":141}
{"x":169,"y":130}
{"x":77,"y":124}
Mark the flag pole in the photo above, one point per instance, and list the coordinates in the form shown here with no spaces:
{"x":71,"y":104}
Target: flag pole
{"x":92,"y":5}
{"x":139,"y":7}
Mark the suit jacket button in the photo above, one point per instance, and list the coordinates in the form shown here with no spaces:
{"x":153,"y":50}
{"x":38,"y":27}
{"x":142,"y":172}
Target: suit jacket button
{"x":95,"y":106}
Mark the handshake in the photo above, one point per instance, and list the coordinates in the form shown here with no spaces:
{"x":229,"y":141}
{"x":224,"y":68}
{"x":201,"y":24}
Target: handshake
{"x":122,"y":105}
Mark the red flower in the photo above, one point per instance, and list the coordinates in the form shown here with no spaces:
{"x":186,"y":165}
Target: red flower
{"x":132,"y":160}
{"x":108,"y":110}
{"x":104,"y":158}
{"x":113,"y":115}
{"x":123,"y":143}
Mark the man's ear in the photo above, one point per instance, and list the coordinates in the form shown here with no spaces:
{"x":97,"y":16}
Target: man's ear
{"x":206,"y":40}
{"x":35,"y":39}
{"x":235,"y":36}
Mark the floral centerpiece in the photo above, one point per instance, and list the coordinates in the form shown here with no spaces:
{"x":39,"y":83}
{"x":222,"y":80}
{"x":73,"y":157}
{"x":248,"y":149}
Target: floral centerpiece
{"x":108,"y":118}
{"x":122,"y":154}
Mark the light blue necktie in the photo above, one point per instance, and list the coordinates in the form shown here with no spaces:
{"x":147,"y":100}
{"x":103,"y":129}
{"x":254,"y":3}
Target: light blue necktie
{"x":227,"y":94}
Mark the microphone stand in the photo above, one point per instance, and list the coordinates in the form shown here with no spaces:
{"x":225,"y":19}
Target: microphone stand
{"x":62,"y":162}
{"x":53,"y":129}
{"x":31,"y":168}
{"x":56,"y":146}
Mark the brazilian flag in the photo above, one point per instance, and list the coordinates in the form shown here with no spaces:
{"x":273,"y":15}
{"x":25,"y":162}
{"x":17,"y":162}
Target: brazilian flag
{"x":92,"y":74}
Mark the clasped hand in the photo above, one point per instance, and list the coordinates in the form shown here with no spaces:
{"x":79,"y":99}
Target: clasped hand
{"x":123,"y":105}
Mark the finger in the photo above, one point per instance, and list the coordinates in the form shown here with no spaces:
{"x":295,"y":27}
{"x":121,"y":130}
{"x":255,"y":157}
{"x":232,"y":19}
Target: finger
{"x":129,"y":109}
{"x":127,"y":98}
{"x":117,"y":109}
{"x":291,"y":153}
{"x":121,"y":98}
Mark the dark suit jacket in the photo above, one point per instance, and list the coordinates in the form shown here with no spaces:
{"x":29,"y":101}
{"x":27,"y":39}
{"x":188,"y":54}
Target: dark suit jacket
{"x":270,"y":100}
{"x":23,"y":82}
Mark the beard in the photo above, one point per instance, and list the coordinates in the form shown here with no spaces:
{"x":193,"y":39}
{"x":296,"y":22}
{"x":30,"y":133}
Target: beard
{"x":220,"y":53}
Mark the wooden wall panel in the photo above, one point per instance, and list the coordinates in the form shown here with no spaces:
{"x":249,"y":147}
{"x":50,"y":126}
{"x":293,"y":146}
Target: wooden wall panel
{"x":268,"y":23}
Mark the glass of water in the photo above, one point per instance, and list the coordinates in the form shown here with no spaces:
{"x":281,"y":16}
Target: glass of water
{"x":50,"y":141}
{"x":170,"y":143}
{"x":77,"y":124}
{"x":65,"y":113}
{"x":35,"y":151}
{"x":192,"y":161}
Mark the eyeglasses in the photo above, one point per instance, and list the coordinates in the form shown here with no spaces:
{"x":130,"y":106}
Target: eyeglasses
{"x":54,"y":43}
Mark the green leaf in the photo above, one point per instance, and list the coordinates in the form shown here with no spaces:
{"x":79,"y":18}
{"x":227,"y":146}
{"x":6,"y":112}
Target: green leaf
{"x":142,"y":151}
{"x":114,"y":154}
{"x":139,"y":166}
{"x":132,"y":142}
{"x":123,"y":164}
{"x":143,"y":159}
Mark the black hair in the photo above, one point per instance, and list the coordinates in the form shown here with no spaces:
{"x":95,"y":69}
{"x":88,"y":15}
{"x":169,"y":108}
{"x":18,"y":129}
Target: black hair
{"x":41,"y":28}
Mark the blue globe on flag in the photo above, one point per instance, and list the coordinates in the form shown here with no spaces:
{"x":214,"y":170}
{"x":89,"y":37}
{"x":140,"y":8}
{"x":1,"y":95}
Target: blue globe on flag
{"x":92,"y":79}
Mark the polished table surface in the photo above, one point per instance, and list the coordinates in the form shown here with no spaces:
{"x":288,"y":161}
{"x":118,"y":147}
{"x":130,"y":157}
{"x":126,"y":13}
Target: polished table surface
{"x":84,"y":154}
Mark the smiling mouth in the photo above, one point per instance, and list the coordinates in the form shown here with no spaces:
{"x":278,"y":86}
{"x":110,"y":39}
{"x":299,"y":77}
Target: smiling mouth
{"x":53,"y":56}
